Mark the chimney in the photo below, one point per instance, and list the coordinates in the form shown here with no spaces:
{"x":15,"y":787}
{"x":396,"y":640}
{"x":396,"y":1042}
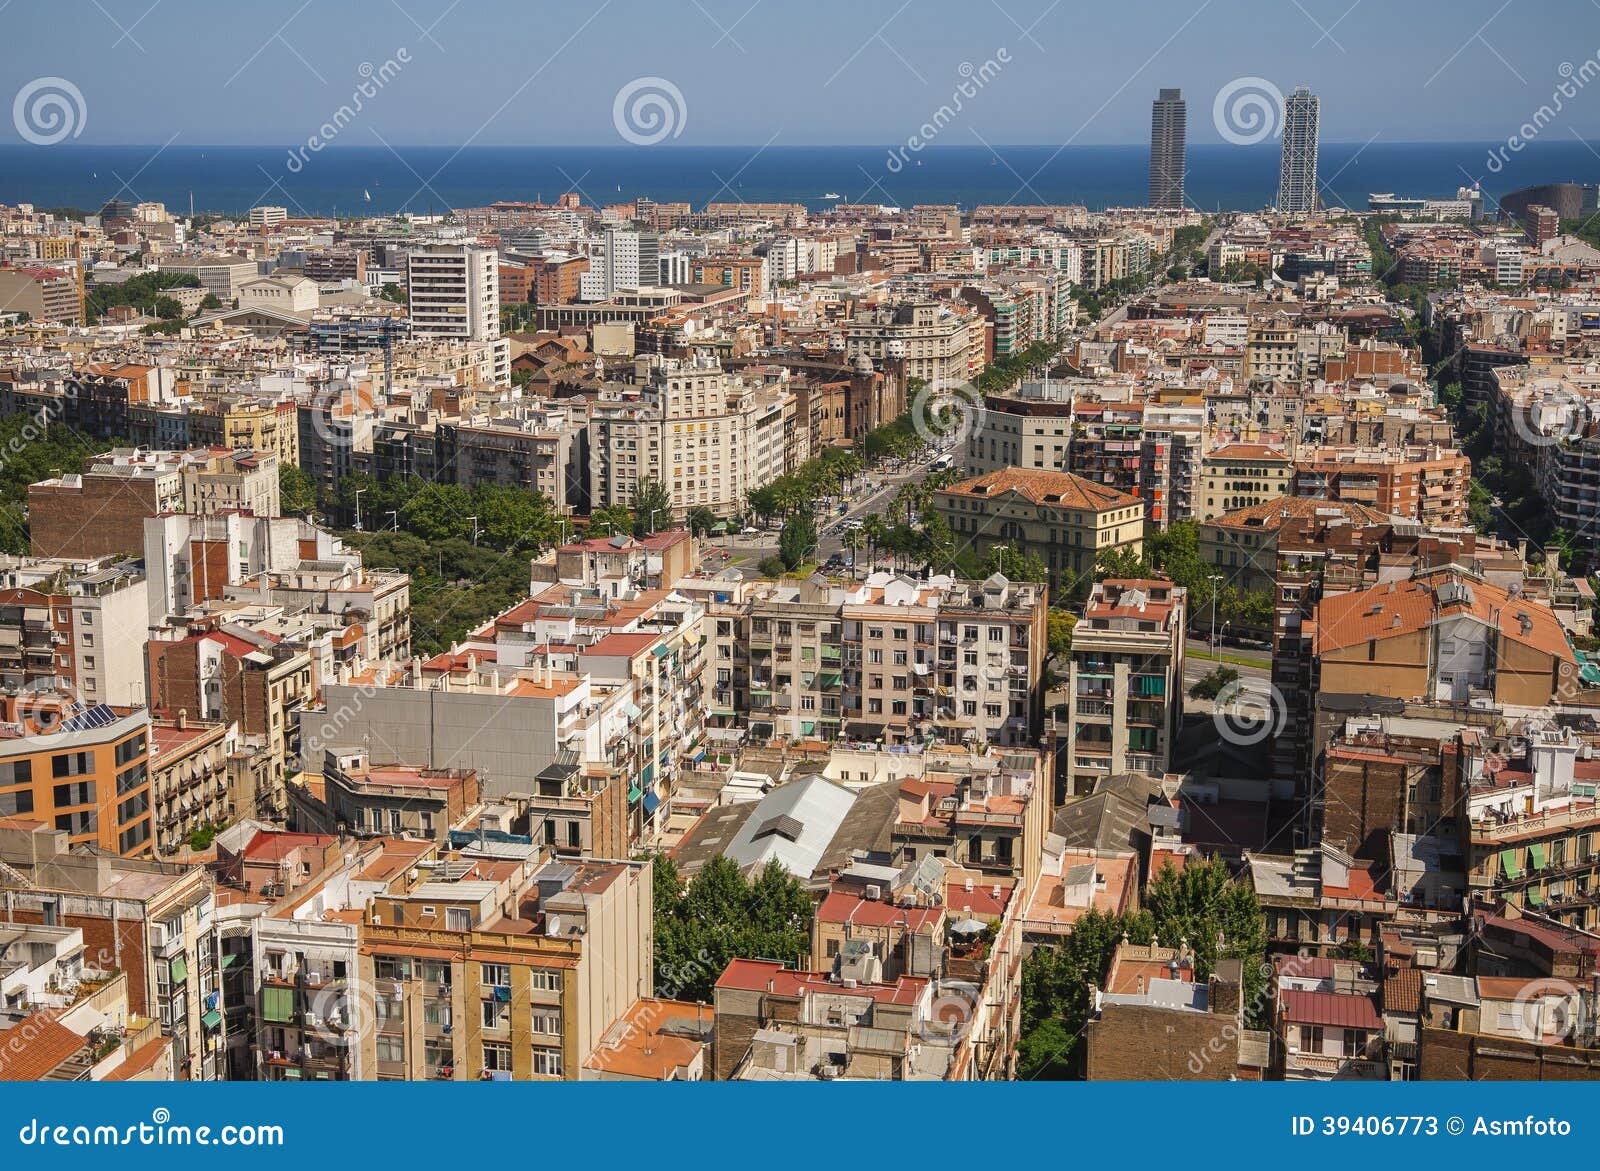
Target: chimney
{"x":183,"y":719}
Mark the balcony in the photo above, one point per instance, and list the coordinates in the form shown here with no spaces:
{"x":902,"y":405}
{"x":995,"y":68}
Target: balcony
{"x":1534,"y":825}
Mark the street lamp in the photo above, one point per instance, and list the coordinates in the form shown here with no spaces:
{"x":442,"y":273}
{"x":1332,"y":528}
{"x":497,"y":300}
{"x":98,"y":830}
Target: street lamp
{"x":359,"y":491}
{"x":1215,"y":578}
{"x":394,"y":519}
{"x":475,"y":529}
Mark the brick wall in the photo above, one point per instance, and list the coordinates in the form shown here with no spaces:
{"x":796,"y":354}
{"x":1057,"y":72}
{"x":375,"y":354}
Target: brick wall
{"x":104,"y":516}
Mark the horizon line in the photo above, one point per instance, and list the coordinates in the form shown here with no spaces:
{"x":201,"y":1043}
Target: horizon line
{"x":679,"y":146}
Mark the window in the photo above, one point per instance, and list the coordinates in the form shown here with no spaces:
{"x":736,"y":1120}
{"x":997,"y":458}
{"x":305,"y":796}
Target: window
{"x":1355,"y":1043}
{"x":457,"y":919}
{"x":80,"y":793}
{"x":546,"y":1023}
{"x":72,"y":764}
{"x":495,"y":975}
{"x":391,"y":967}
{"x":391,"y":1049}
{"x":497,"y":1056}
{"x":547,"y":1062}
{"x":496,"y":1014}
{"x":546,"y":980}
{"x":1311,"y":1038}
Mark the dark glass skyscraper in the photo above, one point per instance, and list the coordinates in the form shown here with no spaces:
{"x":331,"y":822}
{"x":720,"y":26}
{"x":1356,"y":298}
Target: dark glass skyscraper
{"x":1169,"y":119}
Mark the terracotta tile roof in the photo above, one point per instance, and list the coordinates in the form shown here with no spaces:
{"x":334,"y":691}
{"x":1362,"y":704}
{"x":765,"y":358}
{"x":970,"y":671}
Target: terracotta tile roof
{"x":1272,"y":514}
{"x":1399,"y":608}
{"x":1402,"y":992}
{"x":35,"y":1046}
{"x":1043,"y":487}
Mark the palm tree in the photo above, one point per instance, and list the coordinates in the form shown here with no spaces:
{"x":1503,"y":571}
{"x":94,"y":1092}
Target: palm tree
{"x":874,"y":529}
{"x":854,"y":540}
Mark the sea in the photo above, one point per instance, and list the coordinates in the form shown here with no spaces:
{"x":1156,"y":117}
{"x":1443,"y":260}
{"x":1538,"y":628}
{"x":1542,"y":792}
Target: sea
{"x":362,"y":180}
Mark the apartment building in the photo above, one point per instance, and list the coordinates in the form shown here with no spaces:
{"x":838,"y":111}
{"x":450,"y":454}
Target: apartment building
{"x":238,"y":677}
{"x":246,"y":423}
{"x":76,"y":625}
{"x":795,"y":645}
{"x":540,"y":449}
{"x":1427,"y":484}
{"x":1445,"y":636}
{"x":85,"y":771}
{"x":45,"y":293}
{"x":1126,"y":682}
{"x":955,"y":661}
{"x":1544,"y":421}
{"x":940,"y":344}
{"x":453,"y":293}
{"x":155,"y":922}
{"x":189,"y":783}
{"x":379,"y":800}
{"x":1063,"y":518}
{"x":102,"y":511}
{"x":1531,"y":831}
{"x":706,"y":434}
{"x":1240,"y":475}
{"x":504,"y":969}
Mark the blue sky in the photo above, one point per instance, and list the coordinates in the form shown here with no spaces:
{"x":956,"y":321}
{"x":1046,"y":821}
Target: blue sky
{"x":499,"y":72}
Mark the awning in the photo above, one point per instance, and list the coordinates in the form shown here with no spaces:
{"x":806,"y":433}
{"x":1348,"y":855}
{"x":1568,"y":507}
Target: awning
{"x":633,"y":793}
{"x":230,"y":959}
{"x":502,"y":993}
{"x":807,"y":727}
{"x":661,"y":651}
{"x":180,"y":971}
{"x":1536,"y":855}
{"x":651,"y":802}
{"x":1508,"y":863}
{"x":1535,"y":898}
{"x":631,"y":710}
{"x":291,"y":1074}
{"x":211,"y":1019}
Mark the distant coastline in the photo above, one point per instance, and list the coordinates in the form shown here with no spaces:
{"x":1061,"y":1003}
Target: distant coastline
{"x":422,"y":179}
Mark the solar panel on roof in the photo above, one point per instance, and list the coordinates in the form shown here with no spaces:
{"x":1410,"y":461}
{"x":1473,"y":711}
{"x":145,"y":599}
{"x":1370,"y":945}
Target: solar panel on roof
{"x":99,"y":716}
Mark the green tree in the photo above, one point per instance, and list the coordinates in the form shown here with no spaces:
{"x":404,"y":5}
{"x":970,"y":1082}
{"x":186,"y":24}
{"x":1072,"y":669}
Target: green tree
{"x":1058,"y":632}
{"x":720,"y":916}
{"x":652,"y":507}
{"x":611,"y":520}
{"x":798,"y":540}
{"x":701,"y":520}
{"x":297,"y":491}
